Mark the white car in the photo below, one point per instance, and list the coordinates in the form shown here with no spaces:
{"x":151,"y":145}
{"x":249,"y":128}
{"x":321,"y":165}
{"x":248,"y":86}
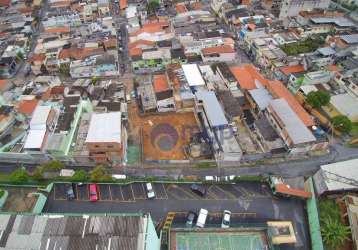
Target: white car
{"x":212,"y":178}
{"x":150,"y":191}
{"x":226,"y":219}
{"x":203,"y":214}
{"x":119,"y":176}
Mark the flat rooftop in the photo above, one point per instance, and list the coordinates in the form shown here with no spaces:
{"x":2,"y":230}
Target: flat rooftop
{"x":213,"y":240}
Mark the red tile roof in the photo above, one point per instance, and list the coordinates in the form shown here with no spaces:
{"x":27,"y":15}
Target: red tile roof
{"x":292,"y":69}
{"x":27,"y":106}
{"x":285,"y":189}
{"x":180,"y":8}
{"x":140,"y":42}
{"x":196,"y":6}
{"x":151,"y":28}
{"x":246,"y":75}
{"x":4,"y":3}
{"x":37,"y":58}
{"x":220,"y":50}
{"x":123,"y":4}
{"x":135,"y":52}
{"x":110,"y":43}
{"x":79,"y":53}
{"x":64,"y":29}
{"x":160,"y":83}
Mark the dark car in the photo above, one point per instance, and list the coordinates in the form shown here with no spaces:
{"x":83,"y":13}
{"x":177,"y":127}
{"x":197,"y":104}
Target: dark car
{"x":198,"y":189}
{"x":190,"y":219}
{"x":69,"y":191}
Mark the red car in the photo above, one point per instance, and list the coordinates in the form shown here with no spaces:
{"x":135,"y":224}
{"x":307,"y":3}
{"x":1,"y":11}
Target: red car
{"x":93,"y":192}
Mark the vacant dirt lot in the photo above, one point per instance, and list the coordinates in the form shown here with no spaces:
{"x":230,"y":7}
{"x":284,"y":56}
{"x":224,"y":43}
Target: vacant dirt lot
{"x":164,"y":136}
{"x":19,"y":199}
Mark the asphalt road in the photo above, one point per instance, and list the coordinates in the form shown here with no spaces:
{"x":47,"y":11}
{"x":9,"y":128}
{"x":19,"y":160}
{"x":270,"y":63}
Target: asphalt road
{"x":249,"y":202}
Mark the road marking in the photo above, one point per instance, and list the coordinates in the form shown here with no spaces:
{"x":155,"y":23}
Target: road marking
{"x":233,"y":197}
{"x":216,"y":197}
{"x":110,"y":192}
{"x":165,"y":191}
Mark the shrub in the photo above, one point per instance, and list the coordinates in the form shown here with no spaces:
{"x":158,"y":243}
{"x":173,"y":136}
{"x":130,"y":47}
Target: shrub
{"x":342,"y":123}
{"x":19,"y":176}
{"x":79,"y":176}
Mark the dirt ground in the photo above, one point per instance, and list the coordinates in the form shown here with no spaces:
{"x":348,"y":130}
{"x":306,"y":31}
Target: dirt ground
{"x":164,"y":136}
{"x":19,"y":200}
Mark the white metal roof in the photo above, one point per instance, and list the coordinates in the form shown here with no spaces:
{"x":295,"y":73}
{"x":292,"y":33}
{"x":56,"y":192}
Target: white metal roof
{"x":212,"y":108}
{"x":346,"y":169}
{"x":346,"y":104}
{"x":296,"y":129}
{"x":105,"y":127}
{"x":353,"y":38}
{"x":35,"y":139}
{"x":39,"y":117}
{"x":193,"y":75}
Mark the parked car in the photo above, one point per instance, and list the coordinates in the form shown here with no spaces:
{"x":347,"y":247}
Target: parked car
{"x":203,"y":214}
{"x":69,"y":191}
{"x":212,"y":178}
{"x":198,"y":189}
{"x":93,"y":192}
{"x":228,"y":178}
{"x":190,"y":218}
{"x":119,"y":176}
{"x":150,"y":191}
{"x":226,"y":219}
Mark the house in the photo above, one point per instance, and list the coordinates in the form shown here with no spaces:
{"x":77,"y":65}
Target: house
{"x":163,"y":93}
{"x":297,"y":137}
{"x":218,"y":54}
{"x":336,"y":178}
{"x":106,"y":139}
{"x":103,"y":7}
{"x":147,"y":97}
{"x":37,"y":64}
{"x":223,"y":70}
{"x":343,"y":104}
{"x":154,"y":32}
{"x":351,"y":203}
{"x":94,"y":66}
{"x":283,"y":73}
{"x":217,"y":130}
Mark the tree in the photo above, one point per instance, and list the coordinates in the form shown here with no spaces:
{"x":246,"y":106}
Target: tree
{"x":342,"y":123}
{"x":153,"y":5}
{"x":80,"y":175}
{"x":37,"y":174}
{"x":98,"y":173}
{"x":19,"y":176}
{"x":65,"y":69}
{"x":53,"y":165}
{"x":334,"y":233}
{"x":94,"y":80}
{"x":318,"y":98}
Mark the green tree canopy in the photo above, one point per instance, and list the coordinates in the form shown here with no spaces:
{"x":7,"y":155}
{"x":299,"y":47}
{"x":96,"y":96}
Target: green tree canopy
{"x":80,"y":175}
{"x":318,"y":98}
{"x":97,"y":173}
{"x":18,"y":176}
{"x":334,"y":233}
{"x":153,"y":5}
{"x":342,"y":123}
{"x":53,"y":165}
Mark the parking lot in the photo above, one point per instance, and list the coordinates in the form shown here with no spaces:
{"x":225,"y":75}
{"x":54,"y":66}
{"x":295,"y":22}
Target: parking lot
{"x":137,"y":191}
{"x":249,"y":202}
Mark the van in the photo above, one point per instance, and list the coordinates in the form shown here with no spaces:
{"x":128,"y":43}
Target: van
{"x":212,"y":178}
{"x":203,"y":214}
{"x":150,"y":191}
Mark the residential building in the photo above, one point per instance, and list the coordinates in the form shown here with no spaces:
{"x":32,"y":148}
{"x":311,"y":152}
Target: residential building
{"x":106,"y":139}
{"x":290,"y":8}
{"x":164,"y":93}
{"x":351,"y":202}
{"x":218,"y":132}
{"x":297,"y":137}
{"x":343,"y":104}
{"x":94,"y":66}
{"x":336,"y":178}
{"x":218,"y":54}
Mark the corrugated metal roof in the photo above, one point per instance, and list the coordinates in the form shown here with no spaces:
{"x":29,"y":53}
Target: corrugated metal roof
{"x":39,"y":116}
{"x":213,"y":110}
{"x":295,"y":128}
{"x":63,"y":232}
{"x":350,"y":38}
{"x":193,"y":75}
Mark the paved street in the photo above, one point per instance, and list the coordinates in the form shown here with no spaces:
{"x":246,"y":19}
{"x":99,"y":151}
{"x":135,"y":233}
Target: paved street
{"x":250,"y":202}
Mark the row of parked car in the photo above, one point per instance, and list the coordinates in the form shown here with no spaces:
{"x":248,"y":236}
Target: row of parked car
{"x":200,"y":220}
{"x":92,"y":191}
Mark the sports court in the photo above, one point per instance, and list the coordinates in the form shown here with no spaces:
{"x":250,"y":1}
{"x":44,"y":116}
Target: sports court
{"x":218,"y":241}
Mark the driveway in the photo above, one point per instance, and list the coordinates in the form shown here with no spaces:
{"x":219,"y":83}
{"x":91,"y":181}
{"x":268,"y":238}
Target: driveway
{"x":249,"y":202}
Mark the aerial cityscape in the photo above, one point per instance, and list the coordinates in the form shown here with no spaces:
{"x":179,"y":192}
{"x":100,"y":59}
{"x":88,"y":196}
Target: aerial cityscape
{"x":179,"y":125}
